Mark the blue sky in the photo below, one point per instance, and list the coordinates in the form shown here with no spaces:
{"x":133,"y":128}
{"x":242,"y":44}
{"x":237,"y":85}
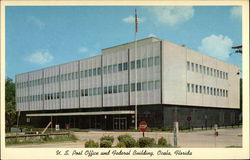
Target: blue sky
{"x":42,"y":36}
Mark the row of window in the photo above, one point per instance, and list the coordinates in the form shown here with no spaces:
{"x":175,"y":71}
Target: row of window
{"x":195,"y":88}
{"x":206,"y":70}
{"x":139,"y":86}
{"x":139,"y":63}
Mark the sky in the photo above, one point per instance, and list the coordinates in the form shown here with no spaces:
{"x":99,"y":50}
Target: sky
{"x":42,"y":36}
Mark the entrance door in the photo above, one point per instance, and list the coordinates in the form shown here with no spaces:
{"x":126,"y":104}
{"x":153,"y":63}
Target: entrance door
{"x":120,"y":123}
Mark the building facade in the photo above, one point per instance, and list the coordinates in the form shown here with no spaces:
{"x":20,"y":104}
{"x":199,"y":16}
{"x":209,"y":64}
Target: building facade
{"x":166,"y":82}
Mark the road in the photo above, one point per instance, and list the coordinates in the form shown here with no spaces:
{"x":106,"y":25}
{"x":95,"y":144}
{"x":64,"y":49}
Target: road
{"x":198,"y":139}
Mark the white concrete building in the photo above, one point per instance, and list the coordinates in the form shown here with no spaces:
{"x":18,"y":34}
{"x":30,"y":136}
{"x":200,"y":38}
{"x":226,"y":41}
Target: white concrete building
{"x":168,"y":82}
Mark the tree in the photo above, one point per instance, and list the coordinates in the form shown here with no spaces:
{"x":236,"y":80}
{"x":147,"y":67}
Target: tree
{"x":10,"y":104}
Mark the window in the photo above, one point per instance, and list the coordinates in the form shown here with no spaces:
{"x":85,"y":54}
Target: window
{"x":151,"y":85}
{"x":144,"y":63}
{"x":90,"y":91}
{"x":150,"y":61}
{"x":86,"y":73}
{"x":226,"y":75}
{"x":157,"y":84}
{"x":69,"y":76}
{"x":157,"y":60}
{"x":114,"y":89}
{"x":208,"y":90}
{"x":77,"y":93}
{"x":99,"y":71}
{"x":73,"y":75}
{"x":110,"y":89}
{"x":125,"y":66}
{"x":196,"y":89}
{"x":188,"y":87}
{"x":215,"y":91}
{"x":200,"y":89}
{"x":110,"y":69}
{"x":125,"y":87}
{"x":132,"y":63}
{"x":220,"y":74}
{"x":196,"y":67}
{"x":115,"y":68}
{"x":90,"y":72}
{"x":200,"y":68}
{"x":120,"y":88}
{"x":86,"y":92}
{"x":94,"y":72}
{"x":69,"y":94}
{"x":218,"y":92}
{"x":62,"y":94}
{"x":188,"y":65}
{"x":226,"y":93}
{"x":73,"y":93}
{"x":82,"y":92}
{"x":208,"y":71}
{"x":133,"y":87}
{"x":94,"y":91}
{"x":192,"y":65}
{"x":99,"y":91}
{"x":211,"y":91}
{"x":82,"y":74}
{"x":192,"y":87}
{"x":138,"y":86}
{"x":105,"y":90}
{"x":211,"y":71}
{"x":204,"y":69}
{"x":214,"y":72}
{"x":120,"y":67}
{"x":105,"y":70}
{"x":144,"y":86}
{"x":138,"y":63}
{"x":204,"y":89}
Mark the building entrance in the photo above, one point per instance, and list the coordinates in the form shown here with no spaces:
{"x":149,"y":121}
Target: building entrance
{"x":120,"y":123}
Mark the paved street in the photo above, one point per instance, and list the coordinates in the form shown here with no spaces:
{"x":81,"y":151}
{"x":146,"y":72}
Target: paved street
{"x":199,"y":139}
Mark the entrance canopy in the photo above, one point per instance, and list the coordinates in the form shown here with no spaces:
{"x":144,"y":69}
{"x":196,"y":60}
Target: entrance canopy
{"x":80,"y":113}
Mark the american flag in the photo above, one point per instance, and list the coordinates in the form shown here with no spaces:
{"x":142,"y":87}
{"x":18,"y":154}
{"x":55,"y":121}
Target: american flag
{"x":136,"y":22}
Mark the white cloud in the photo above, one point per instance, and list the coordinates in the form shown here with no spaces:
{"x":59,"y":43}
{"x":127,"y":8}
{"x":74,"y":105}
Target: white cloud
{"x":131,"y":19}
{"x":218,"y":46}
{"x":40,"y":57}
{"x":83,"y":49}
{"x":236,"y":12}
{"x":151,"y":35}
{"x":172,"y":15}
{"x":40,"y":24}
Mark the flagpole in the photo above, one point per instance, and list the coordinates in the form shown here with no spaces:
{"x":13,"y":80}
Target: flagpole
{"x":136,"y":29}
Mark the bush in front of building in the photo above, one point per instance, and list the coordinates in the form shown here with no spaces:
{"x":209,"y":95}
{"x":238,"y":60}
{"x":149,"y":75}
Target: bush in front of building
{"x":91,"y":144}
{"x":162,"y":142}
{"x":108,"y":138}
{"x":120,"y":145}
{"x":128,"y":140}
{"x":146,"y":142}
{"x":105,"y":144}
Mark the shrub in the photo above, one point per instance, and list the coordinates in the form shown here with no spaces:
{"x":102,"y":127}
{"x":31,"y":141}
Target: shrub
{"x":108,"y":138}
{"x":162,"y":141}
{"x":91,"y":144}
{"x":128,"y":140}
{"x":105,"y":144}
{"x":146,"y":142}
{"x":120,"y":145}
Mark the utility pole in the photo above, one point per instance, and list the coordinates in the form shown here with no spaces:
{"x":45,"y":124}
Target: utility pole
{"x":136,"y":30}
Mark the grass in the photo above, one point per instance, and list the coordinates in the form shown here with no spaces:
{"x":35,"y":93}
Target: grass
{"x":43,"y":140}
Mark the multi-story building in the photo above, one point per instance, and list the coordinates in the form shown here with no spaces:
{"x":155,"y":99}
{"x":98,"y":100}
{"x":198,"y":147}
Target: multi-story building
{"x":166,"y":82}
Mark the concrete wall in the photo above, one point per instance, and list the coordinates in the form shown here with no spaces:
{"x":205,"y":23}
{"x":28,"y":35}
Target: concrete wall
{"x":176,"y":77}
